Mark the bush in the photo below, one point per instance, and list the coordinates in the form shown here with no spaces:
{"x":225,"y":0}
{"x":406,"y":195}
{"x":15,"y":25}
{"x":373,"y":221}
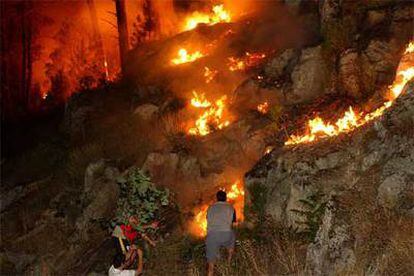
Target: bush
{"x":314,"y":208}
{"x":140,"y":197}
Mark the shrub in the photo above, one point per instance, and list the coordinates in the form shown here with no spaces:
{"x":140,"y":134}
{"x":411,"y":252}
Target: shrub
{"x":140,"y":197}
{"x":312,"y":213}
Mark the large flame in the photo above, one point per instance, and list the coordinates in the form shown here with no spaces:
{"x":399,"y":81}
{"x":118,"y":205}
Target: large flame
{"x":185,"y":57}
{"x":217,"y":15}
{"x":235,"y":196}
{"x":212,"y":116}
{"x":318,"y":128}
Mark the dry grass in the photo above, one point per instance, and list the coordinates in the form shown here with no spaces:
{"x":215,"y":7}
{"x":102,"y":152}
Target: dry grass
{"x":269,"y":252}
{"x":384,"y":240}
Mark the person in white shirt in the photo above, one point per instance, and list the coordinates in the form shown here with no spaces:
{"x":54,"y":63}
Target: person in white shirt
{"x":118,"y":267}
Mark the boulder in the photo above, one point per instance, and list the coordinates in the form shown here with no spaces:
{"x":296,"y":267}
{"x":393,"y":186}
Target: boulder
{"x":309,"y":77}
{"x":349,"y":73}
{"x":393,"y":191}
{"x":146,"y":111}
{"x":278,"y":66}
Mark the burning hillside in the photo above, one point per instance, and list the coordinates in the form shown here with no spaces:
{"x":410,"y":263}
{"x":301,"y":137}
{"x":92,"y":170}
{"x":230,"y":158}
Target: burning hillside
{"x":317,"y":128}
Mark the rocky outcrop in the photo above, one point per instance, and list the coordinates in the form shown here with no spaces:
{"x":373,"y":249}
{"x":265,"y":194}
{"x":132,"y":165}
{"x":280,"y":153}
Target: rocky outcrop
{"x":379,"y":155}
{"x":331,"y":252}
{"x":64,"y":227}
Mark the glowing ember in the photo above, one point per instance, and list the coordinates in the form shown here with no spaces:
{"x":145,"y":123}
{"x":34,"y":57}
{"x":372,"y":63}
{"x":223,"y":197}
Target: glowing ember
{"x":106,"y":70}
{"x":44,"y":96}
{"x":249,"y":60}
{"x":217,"y":15}
{"x":268,"y":150}
{"x":263,"y":108}
{"x":185,"y":57}
{"x":209,"y":74}
{"x":211,"y":118}
{"x":235,"y":196}
{"x":317,"y":128}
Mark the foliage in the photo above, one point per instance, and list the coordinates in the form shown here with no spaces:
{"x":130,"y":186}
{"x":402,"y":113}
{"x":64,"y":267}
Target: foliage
{"x":258,"y":194}
{"x":140,"y":197}
{"x":312,"y":213}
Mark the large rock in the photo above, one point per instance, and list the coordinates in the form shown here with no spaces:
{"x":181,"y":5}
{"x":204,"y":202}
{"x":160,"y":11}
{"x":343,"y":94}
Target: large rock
{"x":65,"y":227}
{"x":309,"y":77}
{"x":349,"y":73}
{"x":146,"y":111}
{"x":378,"y":156}
{"x":331,"y":252}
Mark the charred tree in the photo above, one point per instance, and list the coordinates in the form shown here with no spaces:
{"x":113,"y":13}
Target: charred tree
{"x":27,"y":63}
{"x":121,"y":18}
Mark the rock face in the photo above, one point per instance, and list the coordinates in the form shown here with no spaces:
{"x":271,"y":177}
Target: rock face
{"x":379,"y":155}
{"x":63,"y":228}
{"x":331,"y":252}
{"x":309,"y":76}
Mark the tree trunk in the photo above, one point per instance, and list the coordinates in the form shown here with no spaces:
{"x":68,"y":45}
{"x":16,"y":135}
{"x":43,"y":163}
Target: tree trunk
{"x":22,"y":96}
{"x":122,"y":32}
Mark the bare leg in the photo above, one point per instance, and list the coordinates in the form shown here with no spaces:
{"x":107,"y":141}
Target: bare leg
{"x":230,"y":254}
{"x":140,"y":261}
{"x":210,"y":269}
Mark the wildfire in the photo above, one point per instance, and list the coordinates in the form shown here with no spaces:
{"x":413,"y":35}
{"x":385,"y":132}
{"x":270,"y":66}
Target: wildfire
{"x":217,"y":15}
{"x":235,"y":196}
{"x":211,"y":118}
{"x":263,"y":108}
{"x":248,"y":60}
{"x":317,"y":128}
{"x":209,"y":74}
{"x":199,"y":101}
{"x":185,"y":57}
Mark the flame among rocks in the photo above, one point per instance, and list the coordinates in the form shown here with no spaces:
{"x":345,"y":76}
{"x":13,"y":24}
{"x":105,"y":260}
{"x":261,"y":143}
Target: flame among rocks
{"x":247,"y":61}
{"x":317,"y":128}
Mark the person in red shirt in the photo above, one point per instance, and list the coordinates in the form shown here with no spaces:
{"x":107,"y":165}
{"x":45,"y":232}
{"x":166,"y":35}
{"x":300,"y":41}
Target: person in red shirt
{"x":130,"y":242}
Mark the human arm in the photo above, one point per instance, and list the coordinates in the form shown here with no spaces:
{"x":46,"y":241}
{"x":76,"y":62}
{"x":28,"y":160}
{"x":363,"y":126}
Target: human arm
{"x":148,"y":239}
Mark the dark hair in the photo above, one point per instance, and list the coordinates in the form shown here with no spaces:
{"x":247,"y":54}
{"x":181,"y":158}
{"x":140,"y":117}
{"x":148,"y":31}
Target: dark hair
{"x":118,"y":260}
{"x":221,"y":196}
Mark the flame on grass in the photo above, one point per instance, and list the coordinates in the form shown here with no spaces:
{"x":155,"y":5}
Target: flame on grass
{"x":218,"y":14}
{"x":318,"y":128}
{"x":211,"y":117}
{"x":184,"y":57}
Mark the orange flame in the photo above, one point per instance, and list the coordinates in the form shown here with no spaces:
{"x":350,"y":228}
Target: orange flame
{"x":235,"y":196}
{"x":211,"y":118}
{"x":248,"y":60}
{"x":209,"y":74}
{"x":217,"y":15}
{"x":263,"y":108}
{"x":351,"y":120}
{"x":185,"y":57}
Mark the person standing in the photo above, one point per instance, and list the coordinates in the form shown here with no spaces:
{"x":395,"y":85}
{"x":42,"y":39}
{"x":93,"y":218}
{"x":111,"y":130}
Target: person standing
{"x":220,"y":218}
